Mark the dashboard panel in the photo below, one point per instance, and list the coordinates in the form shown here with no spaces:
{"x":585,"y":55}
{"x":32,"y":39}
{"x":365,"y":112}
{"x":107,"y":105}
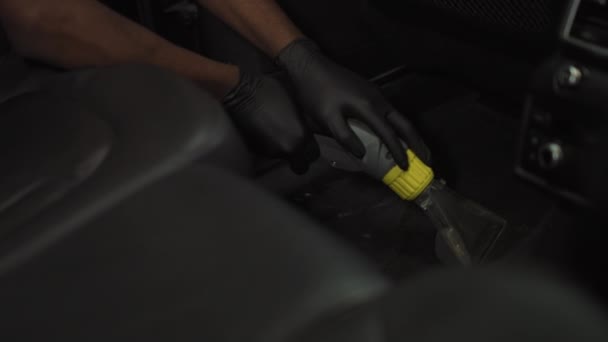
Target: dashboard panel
{"x":565,"y":46}
{"x":518,"y":16}
{"x":513,"y":21}
{"x":566,"y":118}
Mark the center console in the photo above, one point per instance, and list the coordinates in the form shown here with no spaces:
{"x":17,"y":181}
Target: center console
{"x":567,"y":106}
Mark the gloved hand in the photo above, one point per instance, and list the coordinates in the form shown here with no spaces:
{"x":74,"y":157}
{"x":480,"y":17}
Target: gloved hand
{"x":332,"y":95}
{"x":265,"y":114}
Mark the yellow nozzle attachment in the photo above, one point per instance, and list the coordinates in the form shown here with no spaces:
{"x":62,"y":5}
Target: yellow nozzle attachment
{"x":411,"y":183}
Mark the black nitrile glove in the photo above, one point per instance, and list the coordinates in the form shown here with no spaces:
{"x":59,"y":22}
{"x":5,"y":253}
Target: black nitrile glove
{"x":332,"y":95}
{"x":265,"y":114}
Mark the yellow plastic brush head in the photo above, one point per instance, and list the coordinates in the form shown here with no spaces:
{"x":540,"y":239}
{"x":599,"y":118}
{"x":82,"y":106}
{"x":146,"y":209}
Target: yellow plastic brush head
{"x":411,"y":183}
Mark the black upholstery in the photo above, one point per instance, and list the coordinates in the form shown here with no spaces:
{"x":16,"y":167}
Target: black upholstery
{"x":199,"y":256}
{"x":45,"y":156}
{"x":159,"y":124}
{"x":146,"y":245}
{"x":498,"y":305}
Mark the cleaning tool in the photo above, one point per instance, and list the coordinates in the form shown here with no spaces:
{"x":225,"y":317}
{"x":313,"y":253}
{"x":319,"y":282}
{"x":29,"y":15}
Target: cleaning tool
{"x":450,"y":213}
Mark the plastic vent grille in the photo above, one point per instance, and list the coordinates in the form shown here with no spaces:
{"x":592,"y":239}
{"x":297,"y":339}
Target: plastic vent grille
{"x":517,"y":16}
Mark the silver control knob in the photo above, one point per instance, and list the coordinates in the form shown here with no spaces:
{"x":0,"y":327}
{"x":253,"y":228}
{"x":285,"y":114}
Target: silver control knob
{"x":550,"y":155}
{"x":569,"y":76}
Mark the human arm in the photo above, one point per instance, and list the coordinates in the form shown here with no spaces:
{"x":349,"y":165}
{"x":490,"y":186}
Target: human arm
{"x":262,"y":22}
{"x":85,"y":33}
{"x":328,"y":92}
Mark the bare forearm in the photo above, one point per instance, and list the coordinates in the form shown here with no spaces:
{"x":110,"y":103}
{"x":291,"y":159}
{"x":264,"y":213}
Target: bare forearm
{"x":84,"y":33}
{"x":262,"y":22}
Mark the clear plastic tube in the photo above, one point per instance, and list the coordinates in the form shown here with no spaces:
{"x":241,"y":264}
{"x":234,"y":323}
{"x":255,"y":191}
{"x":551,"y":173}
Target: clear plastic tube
{"x":440,"y":219}
{"x":457,"y":218}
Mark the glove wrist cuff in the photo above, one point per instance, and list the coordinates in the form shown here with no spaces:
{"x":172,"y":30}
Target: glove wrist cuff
{"x":243,"y":90}
{"x":295,"y":52}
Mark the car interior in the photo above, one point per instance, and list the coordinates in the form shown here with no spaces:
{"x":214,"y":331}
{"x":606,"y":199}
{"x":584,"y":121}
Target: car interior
{"x":509,"y":95}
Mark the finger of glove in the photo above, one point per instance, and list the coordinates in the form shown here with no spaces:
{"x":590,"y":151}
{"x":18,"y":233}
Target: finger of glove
{"x":388,"y":136}
{"x":408,"y":133}
{"x":347,"y":138}
{"x":312,"y":151}
{"x":301,"y":160}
